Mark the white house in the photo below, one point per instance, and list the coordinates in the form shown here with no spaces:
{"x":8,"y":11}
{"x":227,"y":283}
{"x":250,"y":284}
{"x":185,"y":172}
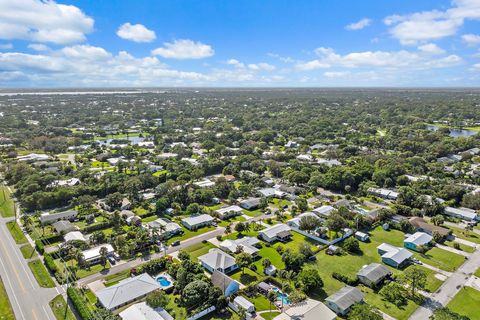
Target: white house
{"x":417,"y":240}
{"x":462,"y":213}
{"x":195,"y":222}
{"x":246,"y":244}
{"x":280,"y":232}
{"x":383,"y":193}
{"x":141,"y":311}
{"x":170,"y":228}
{"x":308,"y":309}
{"x":241,"y":302}
{"x":218,"y":260}
{"x":323,"y":211}
{"x":48,"y":218}
{"x":342,"y":300}
{"x":228,"y":212}
{"x":92,"y":255}
{"x":394,"y":256}
{"x":361,"y":236}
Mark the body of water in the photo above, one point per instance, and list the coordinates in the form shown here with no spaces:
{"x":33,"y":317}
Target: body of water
{"x":456,"y":132}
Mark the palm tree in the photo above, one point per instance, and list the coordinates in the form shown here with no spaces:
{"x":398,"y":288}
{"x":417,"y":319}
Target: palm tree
{"x":272,"y":297}
{"x":103,"y":256}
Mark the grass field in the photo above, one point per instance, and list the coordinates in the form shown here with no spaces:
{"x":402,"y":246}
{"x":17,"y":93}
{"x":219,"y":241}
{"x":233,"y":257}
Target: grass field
{"x":28,"y":251}
{"x":6,"y":203}
{"x":116,"y":278}
{"x":82,"y":272}
{"x":199,"y":249}
{"x":41,"y":274}
{"x":187,"y":234}
{"x":6,"y":312}
{"x":60,"y":309}
{"x":442,"y":259}
{"x":477,"y":273}
{"x":466,"y":303}
{"x":463,"y":247}
{"x":270,"y":315}
{"x":16,"y":232}
{"x":465,"y":235}
{"x":376,"y":300}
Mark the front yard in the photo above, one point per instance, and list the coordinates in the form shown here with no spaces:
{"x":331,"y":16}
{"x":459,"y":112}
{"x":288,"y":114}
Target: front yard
{"x":41,"y":274}
{"x":16,"y":232}
{"x":466,"y":303}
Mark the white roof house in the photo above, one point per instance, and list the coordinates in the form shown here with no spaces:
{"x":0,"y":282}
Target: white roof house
{"x":65,"y":183}
{"x":46,"y":218}
{"x":275,"y":232}
{"x":308,"y":309}
{"x":170,"y":227}
{"x":127,"y":291}
{"x":74,"y":236}
{"x":394,"y":256}
{"x":197,"y":221}
{"x":462,"y":213}
{"x":241,"y":302}
{"x":419,"y":238}
{"x":33,"y":157}
{"x":94,"y":253}
{"x":229,"y":211}
{"x":204,"y":183}
{"x":323,"y":211}
{"x":141,"y":311}
{"x":247,"y":244}
{"x":295,"y":222}
{"x":216,"y":259}
{"x":384,"y":193}
{"x":271,"y":192}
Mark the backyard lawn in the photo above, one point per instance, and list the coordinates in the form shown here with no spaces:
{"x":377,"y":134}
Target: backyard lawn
{"x":477,"y":273}
{"x":28,"y":251}
{"x":6,"y":203}
{"x":247,"y":277}
{"x":16,"y":232}
{"x":442,"y":259}
{"x":60,"y":309}
{"x":466,"y":303}
{"x":6,"y":311}
{"x":41,"y":274}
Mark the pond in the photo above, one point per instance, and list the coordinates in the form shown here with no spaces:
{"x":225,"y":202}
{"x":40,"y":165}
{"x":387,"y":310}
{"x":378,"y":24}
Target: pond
{"x":455,"y":132}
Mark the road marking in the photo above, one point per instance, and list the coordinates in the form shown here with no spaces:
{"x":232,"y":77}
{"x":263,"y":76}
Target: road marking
{"x":21,"y":260}
{"x":13,"y":291}
{"x":34,"y":314}
{"x":46,"y":313}
{"x":14,"y":268}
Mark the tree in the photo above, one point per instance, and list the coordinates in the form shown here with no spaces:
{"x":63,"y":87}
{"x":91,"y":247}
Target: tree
{"x":447,"y":314}
{"x":336,"y":222}
{"x":272,"y":297}
{"x":301,"y":204}
{"x":293,"y":260}
{"x":415,"y":278}
{"x":157,"y":299}
{"x":266,"y":263}
{"x":309,"y":223}
{"x":351,"y":245}
{"x":438,"y":220}
{"x":243,"y":260}
{"x":437,"y":237}
{"x":242,"y":313}
{"x":395,"y":293}
{"x":310,"y":279}
{"x":240,"y":227}
{"x":195,"y":293}
{"x":364,"y":311}
{"x":103,"y":256}
{"x":305,"y":249}
{"x":297,"y":296}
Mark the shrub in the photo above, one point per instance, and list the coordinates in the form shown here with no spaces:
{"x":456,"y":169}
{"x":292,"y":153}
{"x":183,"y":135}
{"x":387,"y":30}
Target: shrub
{"x":457,"y":246}
{"x":50,"y":263}
{"x":39,"y":246}
{"x":79,"y":303}
{"x":345,"y":279}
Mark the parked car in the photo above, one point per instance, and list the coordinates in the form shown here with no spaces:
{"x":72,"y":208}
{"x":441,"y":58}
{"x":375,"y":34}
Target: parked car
{"x":112,"y":260}
{"x":176,"y":243}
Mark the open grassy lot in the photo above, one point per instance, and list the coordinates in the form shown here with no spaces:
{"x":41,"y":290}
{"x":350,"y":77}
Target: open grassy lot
{"x":16,"y":232}
{"x":28,"y":251}
{"x":261,"y":303}
{"x":60,"y":309}
{"x":6,"y":203}
{"x":466,"y":303}
{"x":463,"y":247}
{"x":6,"y":312}
{"x":41,"y":274}
{"x":199,"y":249}
{"x":442,"y":259}
{"x":432,"y":283}
{"x":376,"y":300}
{"x":187,"y":234}
{"x":465,"y":235}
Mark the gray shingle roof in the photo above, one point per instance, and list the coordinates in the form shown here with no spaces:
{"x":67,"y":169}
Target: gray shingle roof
{"x":346,"y":297}
{"x":374,"y":272}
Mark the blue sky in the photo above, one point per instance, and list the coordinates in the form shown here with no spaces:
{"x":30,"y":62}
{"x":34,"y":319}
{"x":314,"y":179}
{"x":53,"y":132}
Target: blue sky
{"x":239,"y":43}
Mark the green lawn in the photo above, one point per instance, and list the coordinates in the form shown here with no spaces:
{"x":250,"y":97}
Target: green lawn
{"x":60,"y":309}
{"x":466,"y":303}
{"x":253,"y":213}
{"x":463,"y":247}
{"x":432,"y":283}
{"x":28,"y":251}
{"x":6,"y":203}
{"x":466,"y":235}
{"x":199,"y":249}
{"x":84,"y":272}
{"x":116,"y":278}
{"x":6,"y":311}
{"x":477,"y":273}
{"x":247,"y":277}
{"x":270,"y":315}
{"x":41,"y":274}
{"x":190,"y":234}
{"x":442,"y":259}
{"x":16,"y":232}
{"x":225,"y":223}
{"x":376,"y":300}
{"x":261,"y":302}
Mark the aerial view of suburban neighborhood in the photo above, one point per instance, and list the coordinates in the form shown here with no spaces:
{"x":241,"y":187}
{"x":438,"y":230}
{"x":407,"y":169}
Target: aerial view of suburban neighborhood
{"x":130,"y":190}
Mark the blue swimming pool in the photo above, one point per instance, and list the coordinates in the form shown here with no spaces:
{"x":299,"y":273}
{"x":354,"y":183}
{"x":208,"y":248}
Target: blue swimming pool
{"x":164,"y":282}
{"x":282,"y":297}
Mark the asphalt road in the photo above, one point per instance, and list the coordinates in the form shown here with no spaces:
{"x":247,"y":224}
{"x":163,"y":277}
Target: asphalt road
{"x":29,"y":301}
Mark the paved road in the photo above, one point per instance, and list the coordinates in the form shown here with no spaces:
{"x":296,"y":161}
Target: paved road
{"x":449,"y":288}
{"x":29,"y":301}
{"x":133,"y":263}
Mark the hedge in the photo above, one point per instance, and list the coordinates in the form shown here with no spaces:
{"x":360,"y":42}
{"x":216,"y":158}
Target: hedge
{"x":345,"y":279}
{"x":51,"y":266}
{"x":79,"y":304}
{"x":51,"y":239}
{"x":39,"y":246}
{"x":95,"y":227}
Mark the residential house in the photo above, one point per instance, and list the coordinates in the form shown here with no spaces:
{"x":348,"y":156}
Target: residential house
{"x":126,"y":204}
{"x":127,"y":291}
{"x":241,"y":302}
{"x":246,"y":244}
{"x":48,"y":218}
{"x":250,"y":203}
{"x":383,"y":193}
{"x":323,"y":211}
{"x":394,"y":256}
{"x":295,"y":222}
{"x":74,"y":236}
{"x":417,"y":240}
{"x":280,"y":232}
{"x":462,"y":213}
{"x":362,"y":236}
{"x":308,"y":309}
{"x":421,"y":225}
{"x":64,"y":226}
{"x":92,"y":256}
{"x":264,"y":288}
{"x":216,"y":259}
{"x":225,"y":283}
{"x":228,"y":212}
{"x":342,"y":301}
{"x":270,"y":193}
{"x":373,"y":274}
{"x":196,"y":222}
{"x":204,"y":183}
{"x":141,"y":311}
{"x":168,"y":228}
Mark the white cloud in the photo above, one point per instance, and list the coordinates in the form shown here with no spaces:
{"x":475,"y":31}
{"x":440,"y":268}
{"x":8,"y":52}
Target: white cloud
{"x":431,"y":48}
{"x":377,"y":59}
{"x":184,"y":49}
{"x":471,"y":39}
{"x":434,"y":24}
{"x":43,"y":21}
{"x":136,"y":32}
{"x":363,"y":23}
{"x":236,"y":63}
{"x":86,"y":52}
{"x":6,"y":46}
{"x":476,"y":66}
{"x":261,"y":66}
{"x":336,"y":74}
{"x":38,"y":47}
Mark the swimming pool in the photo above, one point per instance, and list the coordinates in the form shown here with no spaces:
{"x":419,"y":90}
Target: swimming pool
{"x":163,"y":281}
{"x":282,"y":297}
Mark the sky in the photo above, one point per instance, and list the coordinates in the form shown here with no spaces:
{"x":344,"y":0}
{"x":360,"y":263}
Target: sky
{"x":239,"y":43}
